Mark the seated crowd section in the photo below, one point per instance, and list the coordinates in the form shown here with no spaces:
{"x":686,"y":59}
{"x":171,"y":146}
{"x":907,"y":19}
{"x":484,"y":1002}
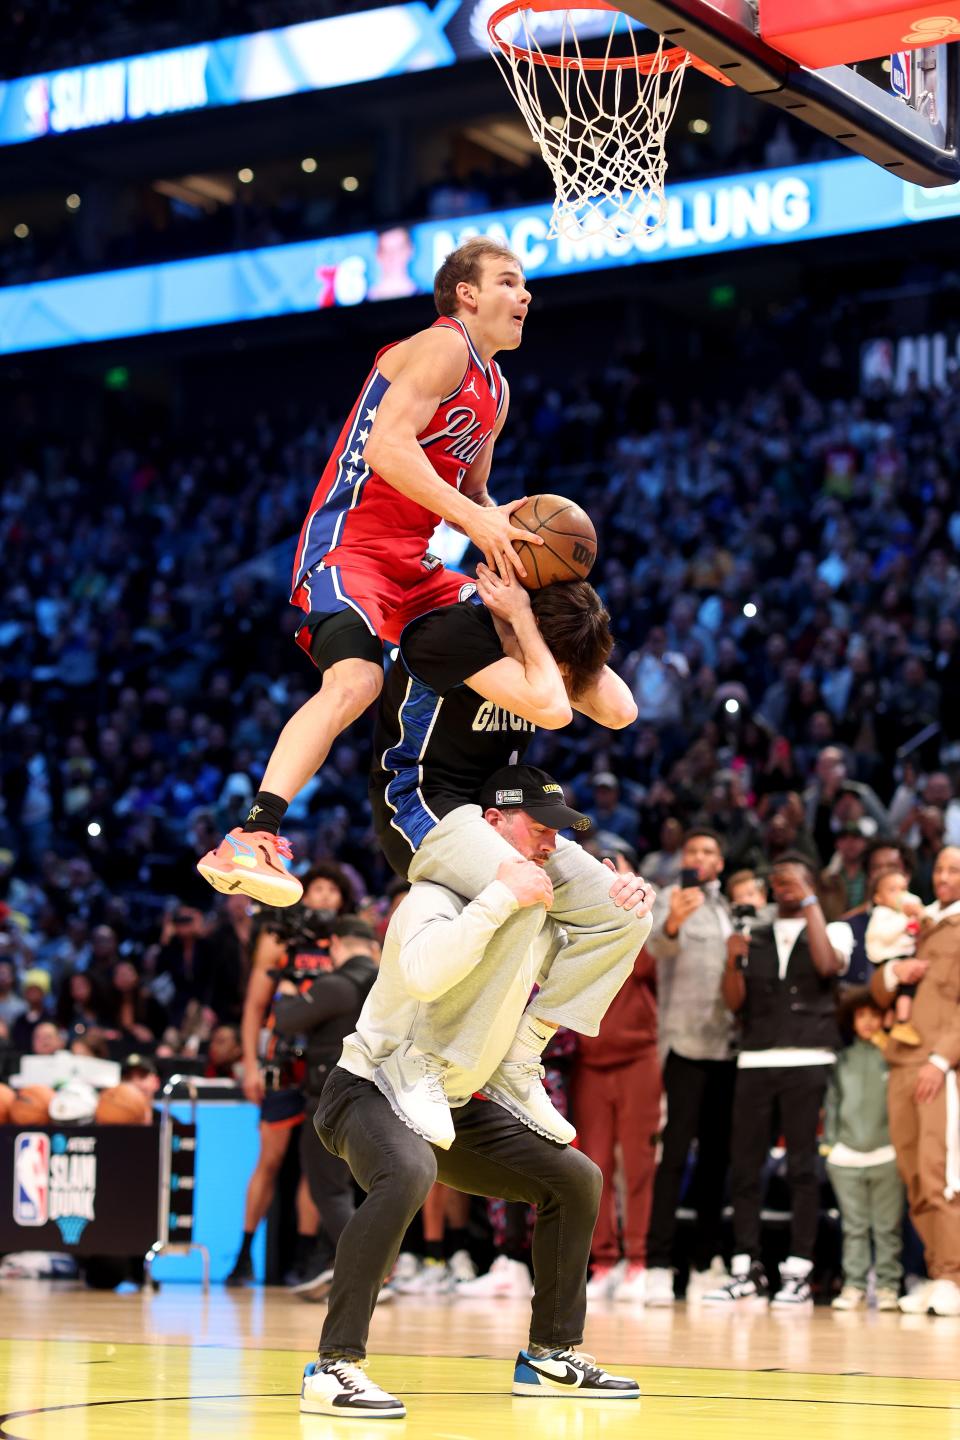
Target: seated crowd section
{"x":783,"y":579}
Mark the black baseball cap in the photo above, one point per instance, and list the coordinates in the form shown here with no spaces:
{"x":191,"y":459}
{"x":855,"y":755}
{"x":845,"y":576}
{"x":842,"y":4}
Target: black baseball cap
{"x":524,"y":787}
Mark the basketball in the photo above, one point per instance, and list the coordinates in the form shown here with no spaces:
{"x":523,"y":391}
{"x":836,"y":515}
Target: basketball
{"x":6,"y":1100}
{"x":569,"y":540}
{"x":123,"y":1104}
{"x":31,"y":1105}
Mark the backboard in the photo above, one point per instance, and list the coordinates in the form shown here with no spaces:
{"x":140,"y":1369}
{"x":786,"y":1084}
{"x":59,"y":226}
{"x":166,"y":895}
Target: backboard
{"x":911,"y":132}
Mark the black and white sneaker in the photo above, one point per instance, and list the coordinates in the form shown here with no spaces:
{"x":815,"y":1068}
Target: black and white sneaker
{"x":340,"y":1387}
{"x":570,"y":1374}
{"x":747,"y":1288}
{"x":795,"y":1292}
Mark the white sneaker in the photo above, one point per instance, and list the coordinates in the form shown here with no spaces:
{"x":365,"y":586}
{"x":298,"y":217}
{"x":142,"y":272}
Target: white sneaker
{"x":700,"y":1281}
{"x":918,"y":1301}
{"x":340,"y":1387}
{"x":461,"y":1269}
{"x":505,"y":1280}
{"x":433,"y":1278}
{"x":406,"y":1269}
{"x":604,"y":1280}
{"x":747,"y":1287}
{"x":569,"y":1374}
{"x":850,"y":1298}
{"x":658,"y":1287}
{"x":316,"y":1286}
{"x":632,"y":1289}
{"x":944,"y":1298}
{"x":795,"y":1292}
{"x":887,"y":1299}
{"x":517,"y":1085}
{"x":413,"y":1084}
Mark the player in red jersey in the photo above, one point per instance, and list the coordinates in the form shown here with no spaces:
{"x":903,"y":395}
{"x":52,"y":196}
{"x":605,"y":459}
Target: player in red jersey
{"x":416,"y":447}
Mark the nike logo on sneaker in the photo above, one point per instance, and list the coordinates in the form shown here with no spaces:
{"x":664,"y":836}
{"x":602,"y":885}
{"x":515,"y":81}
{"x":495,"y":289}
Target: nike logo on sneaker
{"x":569,"y":1377}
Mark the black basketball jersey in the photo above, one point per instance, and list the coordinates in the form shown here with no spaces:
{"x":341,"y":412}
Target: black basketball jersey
{"x":436,"y":740}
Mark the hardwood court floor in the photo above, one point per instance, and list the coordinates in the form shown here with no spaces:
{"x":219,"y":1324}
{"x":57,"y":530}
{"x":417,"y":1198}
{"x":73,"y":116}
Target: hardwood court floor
{"x":184,"y":1366}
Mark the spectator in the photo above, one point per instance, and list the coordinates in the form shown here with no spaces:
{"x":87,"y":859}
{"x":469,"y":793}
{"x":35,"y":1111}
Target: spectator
{"x":12,"y":1005}
{"x":36,"y":990}
{"x":923,"y":1090}
{"x":607,"y":811}
{"x":691,"y":924}
{"x":46,"y":1038}
{"x":80,"y":1001}
{"x":141,"y":1071}
{"x":93,"y":1043}
{"x":616,"y":1102}
{"x":224,"y":1054}
{"x":135,"y":1018}
{"x":842,"y":884}
{"x":882,"y":853}
{"x":861,"y":1161}
{"x":662,"y":867}
{"x":781,"y":981}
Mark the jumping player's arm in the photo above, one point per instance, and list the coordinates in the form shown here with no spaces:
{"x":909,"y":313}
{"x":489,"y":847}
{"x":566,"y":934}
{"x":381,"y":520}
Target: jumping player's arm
{"x":609,"y":701}
{"x":256,"y":1005}
{"x":433,"y":367}
{"x":529,"y":685}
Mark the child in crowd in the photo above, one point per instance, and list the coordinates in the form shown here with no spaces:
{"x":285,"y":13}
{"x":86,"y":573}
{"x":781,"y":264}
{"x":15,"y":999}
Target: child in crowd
{"x":891,"y":935}
{"x":861,"y":1161}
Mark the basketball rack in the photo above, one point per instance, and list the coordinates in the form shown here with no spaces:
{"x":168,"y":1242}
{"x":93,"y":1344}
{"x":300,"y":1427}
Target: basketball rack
{"x":175,"y":1199}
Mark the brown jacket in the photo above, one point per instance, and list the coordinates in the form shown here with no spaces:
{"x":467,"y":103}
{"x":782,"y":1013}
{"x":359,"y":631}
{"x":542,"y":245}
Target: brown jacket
{"x":936,"y":1006}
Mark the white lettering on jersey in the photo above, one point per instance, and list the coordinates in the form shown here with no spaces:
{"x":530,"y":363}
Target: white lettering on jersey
{"x":492,"y":719}
{"x":461,"y":427}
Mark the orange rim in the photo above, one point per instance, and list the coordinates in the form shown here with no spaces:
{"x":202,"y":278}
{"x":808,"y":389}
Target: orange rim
{"x":662,"y":62}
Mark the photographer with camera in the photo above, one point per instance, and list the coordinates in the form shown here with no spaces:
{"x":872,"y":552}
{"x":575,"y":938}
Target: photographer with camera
{"x":325,"y":1015}
{"x":781,"y":980}
{"x":690,"y":928}
{"x":295,"y":942}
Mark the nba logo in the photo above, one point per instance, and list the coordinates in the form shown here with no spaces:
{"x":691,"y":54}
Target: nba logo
{"x":901,"y":73}
{"x":31,"y":1178}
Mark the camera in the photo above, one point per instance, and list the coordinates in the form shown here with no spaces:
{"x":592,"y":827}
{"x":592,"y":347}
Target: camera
{"x":296,"y":927}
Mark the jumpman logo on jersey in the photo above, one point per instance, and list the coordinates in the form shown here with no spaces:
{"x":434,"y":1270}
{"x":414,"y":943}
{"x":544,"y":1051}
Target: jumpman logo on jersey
{"x":471,"y":389}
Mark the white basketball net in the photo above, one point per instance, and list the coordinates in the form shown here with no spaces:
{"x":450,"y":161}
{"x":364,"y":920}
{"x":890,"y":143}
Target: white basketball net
{"x":602,"y":132}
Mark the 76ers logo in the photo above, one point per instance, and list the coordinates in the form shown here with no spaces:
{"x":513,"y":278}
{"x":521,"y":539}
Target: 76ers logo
{"x":31,"y":1178}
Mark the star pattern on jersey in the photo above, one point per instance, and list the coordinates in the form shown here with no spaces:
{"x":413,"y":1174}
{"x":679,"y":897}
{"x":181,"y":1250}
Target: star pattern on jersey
{"x":363,"y":435}
{"x":371,"y":415}
{"x":355,"y":457}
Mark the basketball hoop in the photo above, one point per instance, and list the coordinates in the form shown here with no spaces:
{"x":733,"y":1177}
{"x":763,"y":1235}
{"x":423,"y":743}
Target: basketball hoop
{"x":600,"y":122}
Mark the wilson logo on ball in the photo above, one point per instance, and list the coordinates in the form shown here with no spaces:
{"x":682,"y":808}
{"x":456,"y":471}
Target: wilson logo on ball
{"x":932,"y":29}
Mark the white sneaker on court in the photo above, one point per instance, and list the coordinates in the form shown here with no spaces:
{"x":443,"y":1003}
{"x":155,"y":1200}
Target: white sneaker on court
{"x":340,"y":1387}
{"x":604,"y":1280}
{"x":918,"y":1301}
{"x":851,"y":1297}
{"x":505,"y":1280}
{"x":632,"y":1287}
{"x":433,"y":1278}
{"x":413,"y":1084}
{"x":517,"y":1085}
{"x":406,"y":1269}
{"x":658,"y":1287}
{"x":460,"y":1269}
{"x":700,"y":1281}
{"x":944,"y":1298}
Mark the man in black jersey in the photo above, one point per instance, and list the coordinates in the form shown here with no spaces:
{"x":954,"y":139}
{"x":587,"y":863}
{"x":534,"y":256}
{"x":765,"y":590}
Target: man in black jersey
{"x":471,"y":684}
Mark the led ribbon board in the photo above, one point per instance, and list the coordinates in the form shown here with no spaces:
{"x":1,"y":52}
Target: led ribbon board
{"x":704,"y":217}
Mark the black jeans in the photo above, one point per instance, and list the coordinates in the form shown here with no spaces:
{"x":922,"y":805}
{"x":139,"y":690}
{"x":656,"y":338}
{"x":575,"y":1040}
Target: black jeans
{"x":796,"y":1092}
{"x":492,"y":1155}
{"x":699,"y":1106}
{"x":329,"y":1181}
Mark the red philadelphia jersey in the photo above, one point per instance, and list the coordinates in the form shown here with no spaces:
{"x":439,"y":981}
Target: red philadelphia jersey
{"x":355,"y":516}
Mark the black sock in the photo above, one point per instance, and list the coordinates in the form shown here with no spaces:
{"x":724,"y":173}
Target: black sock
{"x":266,"y":813}
{"x":305,"y":1244}
{"x":246,"y":1244}
{"x":455,"y":1240}
{"x":433,"y":1249}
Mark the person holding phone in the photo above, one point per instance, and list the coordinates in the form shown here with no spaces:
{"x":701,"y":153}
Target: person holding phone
{"x":691,"y":925}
